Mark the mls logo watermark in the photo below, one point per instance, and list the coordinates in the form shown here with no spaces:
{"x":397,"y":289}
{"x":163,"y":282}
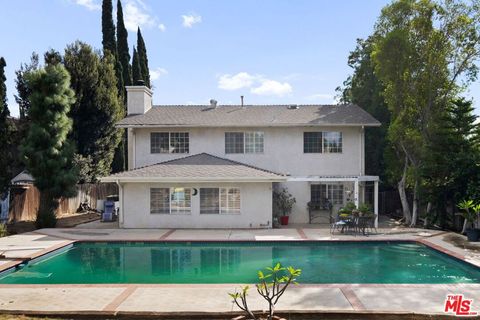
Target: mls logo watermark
{"x":459,"y":305}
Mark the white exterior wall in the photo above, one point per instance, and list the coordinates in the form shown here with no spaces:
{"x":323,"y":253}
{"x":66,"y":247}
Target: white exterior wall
{"x":255,"y":208}
{"x":283,"y":150}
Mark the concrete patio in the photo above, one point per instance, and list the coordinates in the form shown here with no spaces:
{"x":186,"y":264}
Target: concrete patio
{"x":189,"y":299}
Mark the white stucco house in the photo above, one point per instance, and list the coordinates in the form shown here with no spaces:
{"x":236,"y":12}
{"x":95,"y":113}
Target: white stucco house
{"x":215,"y":166}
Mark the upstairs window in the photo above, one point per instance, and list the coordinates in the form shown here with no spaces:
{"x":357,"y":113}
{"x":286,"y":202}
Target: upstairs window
{"x":244,"y":142}
{"x":332,"y":142}
{"x":169,"y":142}
{"x":322,"y":142}
{"x":234,"y":142}
{"x":312,"y":142}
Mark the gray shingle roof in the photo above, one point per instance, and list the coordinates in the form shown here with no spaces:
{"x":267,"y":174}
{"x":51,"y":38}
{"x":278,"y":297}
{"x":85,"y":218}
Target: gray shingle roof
{"x":251,"y":116}
{"x":199,"y":167}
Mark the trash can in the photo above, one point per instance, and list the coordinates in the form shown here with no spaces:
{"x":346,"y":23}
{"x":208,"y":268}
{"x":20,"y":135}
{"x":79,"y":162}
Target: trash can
{"x":109,"y":208}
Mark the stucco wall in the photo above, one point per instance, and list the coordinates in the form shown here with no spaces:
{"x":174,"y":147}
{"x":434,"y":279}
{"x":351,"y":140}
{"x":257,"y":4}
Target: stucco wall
{"x":255,"y":205}
{"x":283,"y":150}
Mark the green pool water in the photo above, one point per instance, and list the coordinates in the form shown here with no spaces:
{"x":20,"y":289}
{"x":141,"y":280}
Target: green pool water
{"x":238,"y":262}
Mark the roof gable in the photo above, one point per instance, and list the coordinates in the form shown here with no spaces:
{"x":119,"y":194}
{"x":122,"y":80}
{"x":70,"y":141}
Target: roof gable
{"x":202,"y":167}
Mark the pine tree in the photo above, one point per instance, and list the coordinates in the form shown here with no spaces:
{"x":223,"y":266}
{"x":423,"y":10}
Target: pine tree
{"x":21,"y":84}
{"x":122,"y":47}
{"x":142,"y":58}
{"x":52,"y":57}
{"x":452,"y":162}
{"x":47,"y":152}
{"x":136,"y":68}
{"x":108,"y":28}
{"x":6,"y":133}
{"x":95,"y":111}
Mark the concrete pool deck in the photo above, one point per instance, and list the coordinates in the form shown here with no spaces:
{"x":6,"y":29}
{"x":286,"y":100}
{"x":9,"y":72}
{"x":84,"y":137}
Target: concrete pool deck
{"x":158,"y":299}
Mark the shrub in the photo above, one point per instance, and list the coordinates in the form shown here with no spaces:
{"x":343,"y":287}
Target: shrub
{"x":283,"y":201}
{"x":3,"y":230}
{"x":271,"y":287}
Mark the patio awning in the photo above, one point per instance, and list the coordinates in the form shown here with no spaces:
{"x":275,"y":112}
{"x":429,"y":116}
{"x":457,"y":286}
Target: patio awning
{"x":333,"y":178}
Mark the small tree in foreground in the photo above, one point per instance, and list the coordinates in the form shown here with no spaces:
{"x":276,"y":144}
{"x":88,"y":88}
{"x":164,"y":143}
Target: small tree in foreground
{"x":47,"y":152}
{"x":271,"y":287}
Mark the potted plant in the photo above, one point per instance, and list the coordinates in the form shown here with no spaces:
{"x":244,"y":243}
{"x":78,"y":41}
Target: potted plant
{"x":364,"y":210}
{"x":283,"y":202}
{"x":470,"y":213}
{"x":349,"y":209}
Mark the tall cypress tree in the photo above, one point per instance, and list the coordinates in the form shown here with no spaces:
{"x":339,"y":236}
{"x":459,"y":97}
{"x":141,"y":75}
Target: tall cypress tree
{"x":124,"y":59}
{"x":142,"y":58}
{"x":122,"y":47}
{"x":136,"y":68}
{"x":6,"y":132}
{"x":47,"y":152}
{"x":108,"y":28}
{"x":96,"y":110}
{"x":110,"y":45}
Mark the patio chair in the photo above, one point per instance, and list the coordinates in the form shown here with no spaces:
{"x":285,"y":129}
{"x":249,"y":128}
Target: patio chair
{"x":342,"y":223}
{"x":366,"y":223}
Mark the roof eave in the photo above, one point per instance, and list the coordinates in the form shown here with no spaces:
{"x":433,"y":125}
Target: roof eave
{"x":191,"y":179}
{"x":126,"y":126}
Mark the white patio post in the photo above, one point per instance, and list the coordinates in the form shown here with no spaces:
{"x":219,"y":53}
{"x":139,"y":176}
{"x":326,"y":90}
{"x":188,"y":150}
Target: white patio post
{"x":356,"y":193}
{"x":375,"y":201}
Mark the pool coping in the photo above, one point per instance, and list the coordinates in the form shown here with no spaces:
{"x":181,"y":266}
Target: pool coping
{"x":283,"y":314}
{"x":38,"y":255}
{"x":346,"y":289}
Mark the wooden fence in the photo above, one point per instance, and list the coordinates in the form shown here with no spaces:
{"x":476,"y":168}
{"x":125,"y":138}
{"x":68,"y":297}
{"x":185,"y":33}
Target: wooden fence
{"x":24,"y":200}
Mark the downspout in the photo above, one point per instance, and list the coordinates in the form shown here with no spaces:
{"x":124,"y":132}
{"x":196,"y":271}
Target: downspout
{"x":362,"y":150}
{"x":120,"y":194}
{"x":134,"y":148}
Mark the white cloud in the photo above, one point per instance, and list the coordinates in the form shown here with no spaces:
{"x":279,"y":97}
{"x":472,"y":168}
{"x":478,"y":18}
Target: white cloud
{"x":321,"y":97}
{"x":237,"y":81}
{"x":89,"y":4}
{"x":190,"y":20}
{"x":157,"y":73}
{"x":272,"y":88}
{"x":135,"y":14}
{"x":258,"y":84}
{"x":162,"y":27}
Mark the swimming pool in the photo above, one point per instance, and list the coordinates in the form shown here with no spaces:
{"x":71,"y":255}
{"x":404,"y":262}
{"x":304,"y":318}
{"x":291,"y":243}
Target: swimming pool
{"x":238,"y":262}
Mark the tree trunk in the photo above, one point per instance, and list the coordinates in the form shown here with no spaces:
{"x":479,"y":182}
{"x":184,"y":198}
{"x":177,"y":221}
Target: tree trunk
{"x":46,"y":216}
{"x":403,"y":195}
{"x":427,"y":213}
{"x":415,"y":205}
{"x":464,"y":229}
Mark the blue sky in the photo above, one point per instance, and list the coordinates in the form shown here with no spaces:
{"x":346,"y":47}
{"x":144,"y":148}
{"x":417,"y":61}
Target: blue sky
{"x":270,"y":51}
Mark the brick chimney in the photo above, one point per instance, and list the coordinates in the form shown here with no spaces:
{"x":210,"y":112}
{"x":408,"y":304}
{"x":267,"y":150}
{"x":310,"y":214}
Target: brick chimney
{"x":139,"y":99}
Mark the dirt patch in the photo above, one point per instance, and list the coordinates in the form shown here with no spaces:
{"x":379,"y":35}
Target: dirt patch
{"x":460,"y":242}
{"x":63,"y":221}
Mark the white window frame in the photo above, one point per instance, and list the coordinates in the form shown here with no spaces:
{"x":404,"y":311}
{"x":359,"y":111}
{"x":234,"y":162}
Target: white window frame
{"x":325,"y":150}
{"x":322,"y":143}
{"x":170,"y":212}
{"x":226,"y":209}
{"x":244,"y":133}
{"x":221,"y":210}
{"x":170,"y":148}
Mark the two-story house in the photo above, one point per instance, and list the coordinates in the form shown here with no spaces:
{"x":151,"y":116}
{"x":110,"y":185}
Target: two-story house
{"x":216,"y":166}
